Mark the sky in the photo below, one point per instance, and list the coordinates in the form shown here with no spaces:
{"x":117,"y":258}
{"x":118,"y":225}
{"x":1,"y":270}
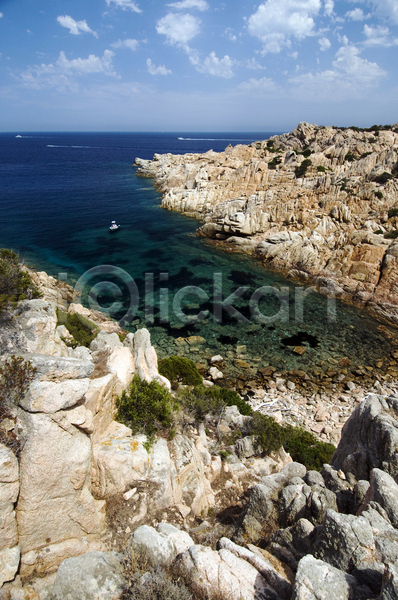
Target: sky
{"x":197,"y":65}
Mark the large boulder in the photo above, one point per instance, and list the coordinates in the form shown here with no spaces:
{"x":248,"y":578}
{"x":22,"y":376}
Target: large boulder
{"x":159,"y":546}
{"x":221,"y":574}
{"x":9,"y":489}
{"x":369,"y":439}
{"x":93,"y":576}
{"x":318,"y":580}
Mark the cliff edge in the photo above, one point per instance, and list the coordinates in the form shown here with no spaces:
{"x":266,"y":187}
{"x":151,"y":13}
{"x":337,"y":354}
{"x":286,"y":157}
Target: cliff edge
{"x":318,"y":204}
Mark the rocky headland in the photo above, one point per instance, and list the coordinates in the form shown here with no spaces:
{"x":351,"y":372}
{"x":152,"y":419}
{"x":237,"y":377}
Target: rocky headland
{"x":91,"y":511}
{"x":318,"y":204}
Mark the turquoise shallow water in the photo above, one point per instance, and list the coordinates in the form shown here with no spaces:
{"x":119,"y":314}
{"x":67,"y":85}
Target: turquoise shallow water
{"x":59,"y":193}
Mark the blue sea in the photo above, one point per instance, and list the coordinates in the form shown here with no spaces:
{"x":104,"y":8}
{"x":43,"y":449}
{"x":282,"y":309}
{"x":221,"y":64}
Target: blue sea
{"x":59,"y":193}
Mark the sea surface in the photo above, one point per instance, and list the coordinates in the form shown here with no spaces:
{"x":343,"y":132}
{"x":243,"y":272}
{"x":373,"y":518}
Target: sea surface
{"x":59,"y":193}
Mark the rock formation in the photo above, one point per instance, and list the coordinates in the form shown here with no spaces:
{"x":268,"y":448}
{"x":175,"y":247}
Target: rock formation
{"x":318,"y":204}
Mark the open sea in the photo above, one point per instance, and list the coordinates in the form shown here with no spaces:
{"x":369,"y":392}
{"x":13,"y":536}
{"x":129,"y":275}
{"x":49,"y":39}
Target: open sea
{"x":59,"y":193}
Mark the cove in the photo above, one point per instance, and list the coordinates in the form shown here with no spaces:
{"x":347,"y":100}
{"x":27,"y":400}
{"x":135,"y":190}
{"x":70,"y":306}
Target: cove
{"x":59,"y":195}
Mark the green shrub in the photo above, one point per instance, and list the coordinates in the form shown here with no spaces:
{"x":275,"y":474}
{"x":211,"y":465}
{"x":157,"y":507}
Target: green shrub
{"x":83,"y":330}
{"x":15,"y":283}
{"x":379,"y":231}
{"x":321,"y":169}
{"x":180,"y":369}
{"x":15,"y":376}
{"x":305,"y":448}
{"x":274,"y":162}
{"x":379,"y":194}
{"x":391,"y":235}
{"x":145,"y":407}
{"x":301,"y":170}
{"x":307,"y":153}
{"x":383,"y":178}
{"x":350,"y":157}
{"x":393,"y":212}
{"x":202,"y":401}
{"x":302,"y":445}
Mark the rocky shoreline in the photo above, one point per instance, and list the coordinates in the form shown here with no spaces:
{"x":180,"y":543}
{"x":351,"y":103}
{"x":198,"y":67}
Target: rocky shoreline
{"x":90,"y":502}
{"x":318,"y":204}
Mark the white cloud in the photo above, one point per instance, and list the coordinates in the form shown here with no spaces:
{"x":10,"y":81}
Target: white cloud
{"x":1,"y":15}
{"x":253,"y":64}
{"x":129,"y":43}
{"x":324,"y":43}
{"x":179,"y":29}
{"x":75,"y":27}
{"x":60,"y":73}
{"x":351,"y":76}
{"x":92,"y":64}
{"x":276,"y":21}
{"x":264,"y":84}
{"x":219,"y":67}
{"x":356,"y":14}
{"x":378,"y":36}
{"x":161,"y":70}
{"x":187,"y":4}
{"x":125,"y":5}
{"x":329,"y":6}
{"x":229,"y":33}
{"x":387,"y":9}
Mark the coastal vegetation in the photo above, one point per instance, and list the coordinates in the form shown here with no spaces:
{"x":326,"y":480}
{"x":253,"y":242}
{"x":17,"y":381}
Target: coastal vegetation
{"x":178,"y":369}
{"x":149,"y":408}
{"x":16,"y":375}
{"x":82,"y":330}
{"x":15,"y":283}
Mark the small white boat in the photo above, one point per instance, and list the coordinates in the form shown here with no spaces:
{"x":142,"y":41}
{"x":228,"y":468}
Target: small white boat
{"x":114,"y":226}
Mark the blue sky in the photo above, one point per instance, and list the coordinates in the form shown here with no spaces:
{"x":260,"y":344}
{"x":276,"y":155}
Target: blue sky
{"x":196,"y":65}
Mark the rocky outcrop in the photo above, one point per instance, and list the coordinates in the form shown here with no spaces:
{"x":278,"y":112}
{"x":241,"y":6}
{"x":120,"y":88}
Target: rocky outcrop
{"x":313,"y":203}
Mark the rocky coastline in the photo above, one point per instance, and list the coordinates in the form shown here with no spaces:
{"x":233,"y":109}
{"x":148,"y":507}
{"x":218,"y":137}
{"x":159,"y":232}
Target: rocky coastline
{"x":90,"y":511}
{"x":318,"y":204}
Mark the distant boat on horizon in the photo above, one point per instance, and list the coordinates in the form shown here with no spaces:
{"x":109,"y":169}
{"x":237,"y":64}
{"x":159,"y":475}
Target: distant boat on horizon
{"x":18,"y":136}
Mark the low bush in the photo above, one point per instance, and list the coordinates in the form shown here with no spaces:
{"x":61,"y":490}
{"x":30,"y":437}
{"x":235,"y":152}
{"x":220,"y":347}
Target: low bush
{"x":83,"y":330}
{"x":180,"y":369}
{"x":301,"y":170}
{"x":391,"y":235}
{"x":321,"y":169}
{"x":202,"y":401}
{"x":145,"y":407}
{"x":15,"y":376}
{"x":15,"y":283}
{"x":393,"y":212}
{"x":383,"y":178}
{"x":379,"y":194}
{"x":302,"y":445}
{"x":350,"y":157}
{"x":274,"y":162}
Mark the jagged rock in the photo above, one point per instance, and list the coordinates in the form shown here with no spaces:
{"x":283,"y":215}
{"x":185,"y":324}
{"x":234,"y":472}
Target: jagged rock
{"x":9,"y":490}
{"x":369,"y":439}
{"x":390,"y":584}
{"x":301,"y":225}
{"x":50,"y":397}
{"x":160,"y":546}
{"x":59,"y":368}
{"x":384,"y":491}
{"x":33,"y":330}
{"x":145,"y":358}
{"x":318,"y":580}
{"x":9,"y":563}
{"x":247,"y":447}
{"x":274,"y":579}
{"x":93,"y":576}
{"x":344,"y":541}
{"x":221,"y":574}
{"x":56,"y":514}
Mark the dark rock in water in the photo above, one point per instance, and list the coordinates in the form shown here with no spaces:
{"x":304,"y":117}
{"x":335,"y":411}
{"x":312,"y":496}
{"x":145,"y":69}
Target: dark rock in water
{"x":242,"y":278}
{"x":299,"y":338}
{"x":227,"y":339}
